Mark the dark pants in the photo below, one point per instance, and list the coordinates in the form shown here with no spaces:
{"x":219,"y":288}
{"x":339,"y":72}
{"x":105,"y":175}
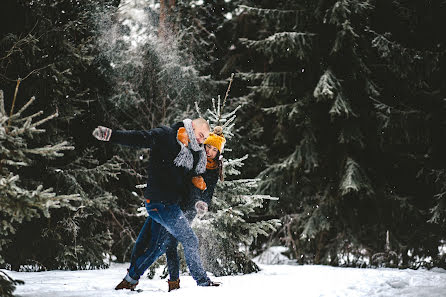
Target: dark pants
{"x":167,"y":225}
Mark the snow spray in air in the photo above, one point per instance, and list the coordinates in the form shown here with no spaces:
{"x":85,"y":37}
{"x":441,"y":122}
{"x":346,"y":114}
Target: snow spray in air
{"x":147,"y":73}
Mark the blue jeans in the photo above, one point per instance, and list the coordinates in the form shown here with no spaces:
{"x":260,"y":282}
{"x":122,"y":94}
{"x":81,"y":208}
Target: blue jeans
{"x":171,"y":244}
{"x":168,"y":224}
{"x":142,"y":243}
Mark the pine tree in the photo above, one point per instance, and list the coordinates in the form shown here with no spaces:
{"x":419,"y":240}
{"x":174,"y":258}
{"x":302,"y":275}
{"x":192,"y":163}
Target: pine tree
{"x":230,"y":226}
{"x":7,"y":284}
{"x":50,"y":45}
{"x":23,"y":200}
{"x":228,"y":230}
{"x":409,"y":112}
{"x":335,"y":98}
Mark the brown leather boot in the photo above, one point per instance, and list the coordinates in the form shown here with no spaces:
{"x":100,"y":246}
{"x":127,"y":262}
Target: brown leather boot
{"x":126,"y":285}
{"x":174,"y":285}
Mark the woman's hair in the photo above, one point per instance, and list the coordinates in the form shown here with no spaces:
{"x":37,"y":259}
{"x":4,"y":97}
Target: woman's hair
{"x":220,"y":166}
{"x":218,"y":130}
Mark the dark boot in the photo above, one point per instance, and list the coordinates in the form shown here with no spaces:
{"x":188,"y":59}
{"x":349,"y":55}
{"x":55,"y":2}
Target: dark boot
{"x":126,"y":285}
{"x":173,"y":285}
{"x":214,"y":284}
{"x":209,"y":283}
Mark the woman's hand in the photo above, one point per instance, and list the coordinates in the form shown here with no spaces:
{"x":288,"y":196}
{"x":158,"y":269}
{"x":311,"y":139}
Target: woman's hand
{"x":201,"y":207}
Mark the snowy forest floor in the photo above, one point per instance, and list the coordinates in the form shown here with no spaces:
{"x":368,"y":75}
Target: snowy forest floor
{"x":273,"y":280}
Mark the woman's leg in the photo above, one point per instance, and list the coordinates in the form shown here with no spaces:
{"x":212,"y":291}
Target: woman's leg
{"x":173,"y":262}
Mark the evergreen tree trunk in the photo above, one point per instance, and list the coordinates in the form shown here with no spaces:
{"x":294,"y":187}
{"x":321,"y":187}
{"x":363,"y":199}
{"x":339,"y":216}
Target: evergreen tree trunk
{"x":166,"y":14}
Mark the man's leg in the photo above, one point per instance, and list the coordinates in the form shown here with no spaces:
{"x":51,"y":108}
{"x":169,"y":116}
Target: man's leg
{"x":173,"y":262}
{"x":157,"y":247}
{"x":172,"y":218}
{"x":142,"y":242}
{"x":140,"y":247}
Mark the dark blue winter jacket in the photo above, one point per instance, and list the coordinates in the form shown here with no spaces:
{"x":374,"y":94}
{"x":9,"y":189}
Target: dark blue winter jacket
{"x":195,"y":194}
{"x":166,"y":182}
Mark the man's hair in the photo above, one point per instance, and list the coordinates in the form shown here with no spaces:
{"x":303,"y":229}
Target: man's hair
{"x":201,"y":122}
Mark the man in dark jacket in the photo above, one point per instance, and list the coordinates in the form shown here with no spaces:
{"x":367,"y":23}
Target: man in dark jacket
{"x":176,"y":155}
{"x":202,"y":187}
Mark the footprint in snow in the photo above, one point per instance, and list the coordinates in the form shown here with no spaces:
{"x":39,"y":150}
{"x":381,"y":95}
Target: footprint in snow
{"x":397,"y":284}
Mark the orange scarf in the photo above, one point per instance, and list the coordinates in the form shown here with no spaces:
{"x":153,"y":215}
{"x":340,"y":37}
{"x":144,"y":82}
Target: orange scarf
{"x":211,"y":164}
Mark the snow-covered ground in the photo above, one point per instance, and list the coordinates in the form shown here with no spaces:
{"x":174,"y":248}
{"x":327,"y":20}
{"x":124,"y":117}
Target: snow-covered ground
{"x":272,"y":281}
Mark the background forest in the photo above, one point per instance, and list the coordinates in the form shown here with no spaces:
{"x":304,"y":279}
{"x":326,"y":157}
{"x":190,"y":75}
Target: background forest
{"x":342,"y":117}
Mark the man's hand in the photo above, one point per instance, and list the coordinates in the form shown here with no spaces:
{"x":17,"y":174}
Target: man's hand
{"x":201,"y":207}
{"x":102,"y":133}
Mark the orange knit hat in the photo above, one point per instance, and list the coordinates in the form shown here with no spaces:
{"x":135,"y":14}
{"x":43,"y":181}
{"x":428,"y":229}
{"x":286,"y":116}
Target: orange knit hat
{"x":216,"y":139}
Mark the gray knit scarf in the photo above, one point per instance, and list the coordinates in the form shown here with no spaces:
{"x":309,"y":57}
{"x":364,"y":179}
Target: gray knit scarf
{"x":185,"y":157}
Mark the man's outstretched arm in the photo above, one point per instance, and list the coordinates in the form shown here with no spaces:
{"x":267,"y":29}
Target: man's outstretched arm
{"x":139,"y":139}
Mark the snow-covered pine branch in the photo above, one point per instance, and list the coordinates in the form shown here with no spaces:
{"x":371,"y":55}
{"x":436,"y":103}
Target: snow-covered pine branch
{"x":20,"y":200}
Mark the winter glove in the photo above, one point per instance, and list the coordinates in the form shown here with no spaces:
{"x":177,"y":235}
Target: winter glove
{"x":182,"y":136}
{"x":102,"y":133}
{"x":199,"y":182}
{"x":201,"y":207}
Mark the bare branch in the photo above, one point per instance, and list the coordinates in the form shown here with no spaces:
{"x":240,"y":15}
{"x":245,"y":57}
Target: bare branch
{"x":30,"y":101}
{"x":54,"y":115}
{"x":13,"y":101}
{"x":2,"y":103}
{"x":31,"y":116}
{"x":197,"y":108}
{"x":36,"y":70}
{"x":227,"y":92}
